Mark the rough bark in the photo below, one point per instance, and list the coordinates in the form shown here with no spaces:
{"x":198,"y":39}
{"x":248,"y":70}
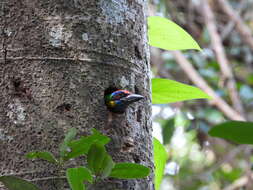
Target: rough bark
{"x":57,"y":59}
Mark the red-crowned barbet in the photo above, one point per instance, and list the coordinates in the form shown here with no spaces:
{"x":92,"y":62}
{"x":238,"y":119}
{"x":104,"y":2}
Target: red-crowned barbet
{"x":118,"y":100}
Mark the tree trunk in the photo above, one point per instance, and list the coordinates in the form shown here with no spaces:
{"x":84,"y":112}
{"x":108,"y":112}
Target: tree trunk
{"x":57,"y":59}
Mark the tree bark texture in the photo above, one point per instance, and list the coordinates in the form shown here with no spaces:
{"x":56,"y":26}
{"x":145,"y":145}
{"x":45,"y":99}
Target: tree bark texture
{"x":57,"y":59}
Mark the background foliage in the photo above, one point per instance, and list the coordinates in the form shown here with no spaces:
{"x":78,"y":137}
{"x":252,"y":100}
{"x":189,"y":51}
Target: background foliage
{"x":196,"y":160}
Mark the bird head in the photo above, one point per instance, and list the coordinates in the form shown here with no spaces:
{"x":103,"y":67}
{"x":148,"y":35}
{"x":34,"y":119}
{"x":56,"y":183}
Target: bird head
{"x":118,"y":100}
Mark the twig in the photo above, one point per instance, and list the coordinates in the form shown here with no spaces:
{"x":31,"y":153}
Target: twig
{"x":47,"y":178}
{"x":228,"y":157}
{"x":43,"y":179}
{"x":221,"y":56}
{"x":201,"y":83}
{"x":230,"y":26}
{"x":242,"y":181}
{"x":240,"y":26}
{"x":40,"y":179}
{"x":248,"y":171}
{"x":156,"y":59}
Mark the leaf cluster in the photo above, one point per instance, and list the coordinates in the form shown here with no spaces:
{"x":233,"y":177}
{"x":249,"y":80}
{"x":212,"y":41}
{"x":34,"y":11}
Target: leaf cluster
{"x":100,"y":164}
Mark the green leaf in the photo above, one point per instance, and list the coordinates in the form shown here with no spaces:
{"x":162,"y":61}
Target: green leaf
{"x":95,"y":157}
{"x":48,"y":156}
{"x":165,"y":34}
{"x":129,"y":171}
{"x":237,"y":131}
{"x":14,"y":183}
{"x":107,"y":166}
{"x":168,"y":128}
{"x":68,"y":137}
{"x":77,"y":176}
{"x":99,"y":161}
{"x":82,"y":146}
{"x":160,"y":158}
{"x":167,"y":91}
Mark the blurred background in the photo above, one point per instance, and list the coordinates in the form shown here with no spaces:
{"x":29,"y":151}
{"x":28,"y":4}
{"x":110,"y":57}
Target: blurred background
{"x":223,"y":69}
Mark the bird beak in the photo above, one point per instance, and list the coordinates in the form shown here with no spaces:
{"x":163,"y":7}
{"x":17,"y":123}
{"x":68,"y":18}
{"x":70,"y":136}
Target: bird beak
{"x":132,"y":98}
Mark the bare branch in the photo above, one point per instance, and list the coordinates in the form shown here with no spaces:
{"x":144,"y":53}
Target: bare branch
{"x":242,"y":181}
{"x":241,"y":27}
{"x":201,"y":83}
{"x":221,"y":56}
{"x":231,"y":24}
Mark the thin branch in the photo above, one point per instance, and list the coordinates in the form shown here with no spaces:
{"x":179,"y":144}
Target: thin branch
{"x":240,"y":26}
{"x":156,"y":59}
{"x":230,"y":156}
{"x":221,"y":56}
{"x":47,"y":178}
{"x":42,"y":179}
{"x":248,"y":171}
{"x":35,"y":179}
{"x":241,"y":182}
{"x":201,"y":83}
{"x":231,"y":24}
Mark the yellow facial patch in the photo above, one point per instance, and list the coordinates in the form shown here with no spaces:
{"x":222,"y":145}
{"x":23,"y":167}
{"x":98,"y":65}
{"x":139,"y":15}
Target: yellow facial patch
{"x":111,"y":103}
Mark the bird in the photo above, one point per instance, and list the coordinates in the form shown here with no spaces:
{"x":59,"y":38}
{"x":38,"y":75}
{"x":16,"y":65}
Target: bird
{"x":119,"y":100}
